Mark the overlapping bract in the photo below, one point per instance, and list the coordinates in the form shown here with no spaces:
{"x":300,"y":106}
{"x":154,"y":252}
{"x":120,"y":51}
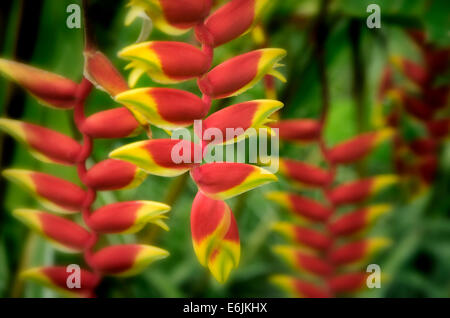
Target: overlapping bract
{"x":214,"y":230}
{"x":61,"y":196}
{"x":323,"y":241}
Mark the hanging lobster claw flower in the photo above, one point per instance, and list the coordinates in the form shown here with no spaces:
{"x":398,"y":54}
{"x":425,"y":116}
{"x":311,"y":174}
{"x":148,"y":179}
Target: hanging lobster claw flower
{"x":304,"y":173}
{"x":161,"y":157}
{"x":50,"y":89}
{"x":358,"y":252}
{"x":241,"y":73}
{"x":128,"y":217}
{"x":358,"y":147}
{"x":234,"y":19}
{"x":112,"y":124}
{"x":125,"y":260}
{"x":302,"y":207}
{"x":303,"y":236}
{"x":165,"y":107}
{"x":360,"y":190}
{"x":165,"y":62}
{"x":65,"y":234}
{"x":55,"y":194}
{"x":356,"y":221}
{"x":224,"y":180}
{"x":303,"y":260}
{"x":215,"y":236}
{"x":348,"y":282}
{"x":253,"y":114}
{"x":298,"y":130}
{"x":56,"y":277}
{"x":114,"y":174}
{"x":299,"y":288}
{"x":173,"y":17}
{"x":415,"y":72}
{"x":44,"y":144}
{"x":102,"y":73}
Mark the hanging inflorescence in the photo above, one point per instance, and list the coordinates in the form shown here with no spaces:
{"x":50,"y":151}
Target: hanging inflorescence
{"x":63,"y":197}
{"x":214,"y":230}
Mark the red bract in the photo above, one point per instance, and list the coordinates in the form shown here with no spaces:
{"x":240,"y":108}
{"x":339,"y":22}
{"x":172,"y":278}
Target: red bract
{"x":298,"y":130}
{"x":99,"y":124}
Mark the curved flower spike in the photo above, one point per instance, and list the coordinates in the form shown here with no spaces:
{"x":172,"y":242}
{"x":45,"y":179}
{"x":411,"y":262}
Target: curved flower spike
{"x":125,"y":260}
{"x":173,"y":17}
{"x":303,"y":236}
{"x":45,"y":144}
{"x":50,"y":89}
{"x":357,"y":221}
{"x":165,"y":108}
{"x":358,"y":252}
{"x":112,"y":124}
{"x":299,"y":288}
{"x":302,"y":207}
{"x":56,"y":277}
{"x":128,"y":217}
{"x":53,"y":193}
{"x":165,"y":62}
{"x":304,"y":173}
{"x":65,"y":234}
{"x":360,"y":190}
{"x":348,"y":282}
{"x":234,"y":19}
{"x":358,"y":147}
{"x":241,"y":73}
{"x":225,"y":180}
{"x":161,"y":157}
{"x":253,"y":114}
{"x":215,"y":236}
{"x":102,"y":73}
{"x":303,"y":260}
{"x":298,"y":130}
{"x":114,"y":174}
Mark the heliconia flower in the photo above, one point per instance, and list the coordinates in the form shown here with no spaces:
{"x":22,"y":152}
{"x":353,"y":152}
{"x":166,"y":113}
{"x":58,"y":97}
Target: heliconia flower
{"x":241,"y":73}
{"x":50,"y":89}
{"x":234,"y":19}
{"x":356,"y":221}
{"x":156,"y":156}
{"x":165,"y":62}
{"x":125,"y":260}
{"x":298,"y":130}
{"x":65,"y":234}
{"x":44,"y":144}
{"x":53,"y":193}
{"x":303,"y":207}
{"x":303,"y":236}
{"x":128,"y":217}
{"x":299,"y":288}
{"x":360,"y":190}
{"x":358,"y":252}
{"x":416,"y":107}
{"x":112,"y":174}
{"x":412,"y":70}
{"x":170,"y":16}
{"x":215,"y":236}
{"x":165,"y":107}
{"x":303,"y":260}
{"x":439,"y":128}
{"x":252,"y":114}
{"x":56,"y":277}
{"x":112,"y":123}
{"x":304,"y":173}
{"x":348,"y":282}
{"x":224,"y":180}
{"x":358,"y":147}
{"x":102,"y":73}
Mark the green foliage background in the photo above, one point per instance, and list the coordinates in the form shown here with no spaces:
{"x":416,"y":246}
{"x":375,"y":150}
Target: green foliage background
{"x":418,"y":263}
